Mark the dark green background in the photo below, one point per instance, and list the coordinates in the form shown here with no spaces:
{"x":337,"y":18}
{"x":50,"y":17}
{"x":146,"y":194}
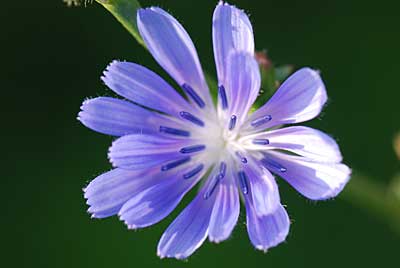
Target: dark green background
{"x":51,"y":59}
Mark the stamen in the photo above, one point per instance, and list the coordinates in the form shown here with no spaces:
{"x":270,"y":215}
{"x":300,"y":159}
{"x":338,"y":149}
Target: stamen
{"x":274,"y":165}
{"x":232,"y":122}
{"x":222,"y":170}
{"x":175,"y":164}
{"x":211,"y":187}
{"x":222,"y":95}
{"x":191,"y":118}
{"x":190,"y":91}
{"x":261,"y":120}
{"x":261,"y":141}
{"x":174,"y":131}
{"x":193,"y":172}
{"x":242,"y":158}
{"x":243,"y":182}
{"x":192,"y":149}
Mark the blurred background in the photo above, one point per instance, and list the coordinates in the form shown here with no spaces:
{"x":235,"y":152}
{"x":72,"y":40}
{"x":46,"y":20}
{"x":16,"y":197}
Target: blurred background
{"x":52,"y":57}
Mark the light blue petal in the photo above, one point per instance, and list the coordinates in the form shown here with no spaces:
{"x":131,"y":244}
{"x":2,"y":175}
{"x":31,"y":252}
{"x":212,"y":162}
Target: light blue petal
{"x":173,"y":49}
{"x":305,"y":141}
{"x":155,"y":203}
{"x":108,"y":192}
{"x":315,"y":180}
{"x":189,"y":230}
{"x":300,"y":98}
{"x":118,"y":117}
{"x":143,"y":151}
{"x":266,"y":231}
{"x":226,"y":210}
{"x":264,"y":190}
{"x":243,"y":84}
{"x":144,"y":87}
{"x":232,"y":31}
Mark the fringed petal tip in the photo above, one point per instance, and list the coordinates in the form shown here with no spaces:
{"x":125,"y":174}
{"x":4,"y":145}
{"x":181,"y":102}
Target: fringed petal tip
{"x":141,"y":11}
{"x":92,"y":214}
{"x":314,"y":180}
{"x":279,"y":239}
{"x":110,"y":154}
{"x":218,"y":240}
{"x":224,"y":3}
{"x":108,"y":69}
{"x":214,"y":240}
{"x":265,"y":249}
{"x":177,"y":256}
{"x":129,"y":226}
{"x":80,"y":115}
{"x":84,"y":189}
{"x":267,"y":231}
{"x":335,"y":191}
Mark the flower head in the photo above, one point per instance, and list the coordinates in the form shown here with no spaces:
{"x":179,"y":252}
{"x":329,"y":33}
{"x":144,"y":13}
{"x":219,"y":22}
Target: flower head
{"x":167,"y":143}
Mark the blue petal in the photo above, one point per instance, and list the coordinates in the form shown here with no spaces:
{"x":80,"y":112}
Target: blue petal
{"x":157,"y":202}
{"x":189,"y":230}
{"x":173,"y":49}
{"x":117,"y":117}
{"x":108,"y":192}
{"x":144,"y":87}
{"x":264,"y":190}
{"x":143,"y":151}
{"x":266,"y":231}
{"x":315,"y":180}
{"x":226,"y":210}
{"x":300,"y":98}
{"x":243,"y":84}
{"x":305,"y":141}
{"x":232,"y":31}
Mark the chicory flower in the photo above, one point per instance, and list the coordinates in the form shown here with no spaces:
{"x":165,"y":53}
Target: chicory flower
{"x":169,"y":143}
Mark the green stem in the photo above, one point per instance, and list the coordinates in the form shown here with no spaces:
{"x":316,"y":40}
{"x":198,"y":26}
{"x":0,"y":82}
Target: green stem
{"x":125,"y":12}
{"x":375,"y":198}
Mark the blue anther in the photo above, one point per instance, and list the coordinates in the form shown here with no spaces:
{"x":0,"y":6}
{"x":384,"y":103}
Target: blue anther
{"x":196,"y":98}
{"x":191,"y":118}
{"x":242,"y":158}
{"x":243,"y":182}
{"x":222,"y":95}
{"x":261,"y":120}
{"x":232,"y":122}
{"x":222,"y":170}
{"x":261,"y":141}
{"x":211,"y":187}
{"x":193,"y":172}
{"x":192,"y":149}
{"x":174,"y":131}
{"x":271,"y":164}
{"x":175,"y":164}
